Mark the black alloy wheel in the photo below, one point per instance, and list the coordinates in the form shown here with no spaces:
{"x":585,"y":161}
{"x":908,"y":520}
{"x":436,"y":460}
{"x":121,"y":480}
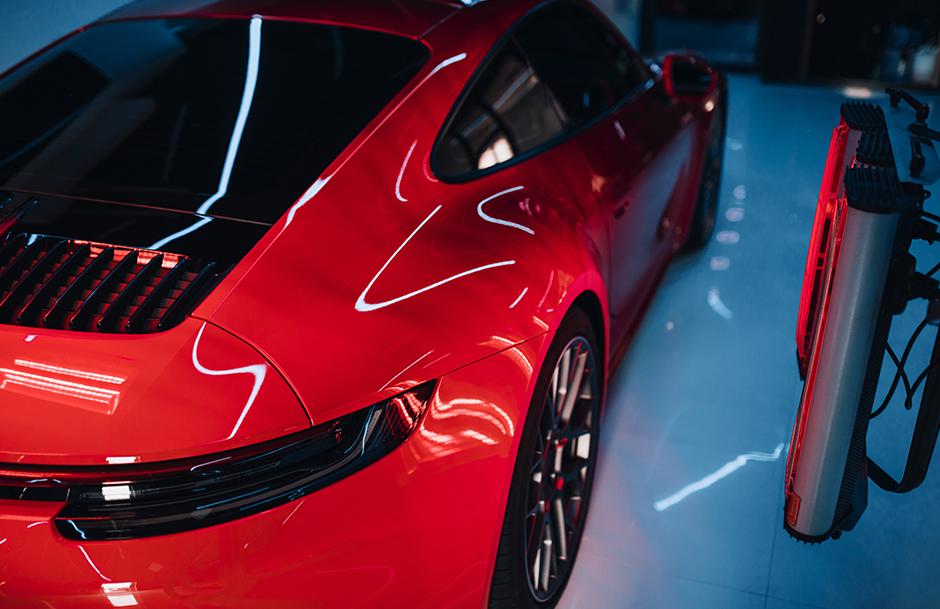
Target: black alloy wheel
{"x":555,"y":466}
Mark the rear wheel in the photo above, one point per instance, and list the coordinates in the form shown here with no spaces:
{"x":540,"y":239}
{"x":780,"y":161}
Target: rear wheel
{"x":706,"y":210}
{"x":554,"y":470}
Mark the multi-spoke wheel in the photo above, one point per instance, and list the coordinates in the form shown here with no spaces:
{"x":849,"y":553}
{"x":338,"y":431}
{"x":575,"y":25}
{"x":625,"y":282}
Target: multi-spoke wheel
{"x":554,"y":469}
{"x":560,"y":467}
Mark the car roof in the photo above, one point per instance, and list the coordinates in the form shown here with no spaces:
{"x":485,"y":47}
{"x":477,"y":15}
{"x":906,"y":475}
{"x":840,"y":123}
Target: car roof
{"x":412,"y":18}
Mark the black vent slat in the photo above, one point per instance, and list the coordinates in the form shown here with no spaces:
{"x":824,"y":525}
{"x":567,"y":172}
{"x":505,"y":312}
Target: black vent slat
{"x":188,"y":297}
{"x":10,"y":249}
{"x":125,"y":295}
{"x":32,"y":278}
{"x":63,"y":304}
{"x":20,"y":262}
{"x":68,"y":284}
{"x":80,"y":320}
{"x":30,"y":311}
{"x":145,"y":310}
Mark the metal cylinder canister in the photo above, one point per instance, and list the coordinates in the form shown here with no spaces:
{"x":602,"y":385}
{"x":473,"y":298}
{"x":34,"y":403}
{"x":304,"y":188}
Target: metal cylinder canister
{"x":826,"y":485}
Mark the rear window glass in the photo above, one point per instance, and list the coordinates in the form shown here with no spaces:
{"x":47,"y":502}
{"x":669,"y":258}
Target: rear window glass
{"x":227,"y":117}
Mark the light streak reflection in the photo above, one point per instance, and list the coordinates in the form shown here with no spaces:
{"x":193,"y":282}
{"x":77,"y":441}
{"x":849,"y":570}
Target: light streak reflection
{"x":401,"y":172}
{"x":248,"y":94}
{"x":493,"y":220}
{"x":362,"y":306}
{"x":722,"y":472}
{"x":258,"y":371}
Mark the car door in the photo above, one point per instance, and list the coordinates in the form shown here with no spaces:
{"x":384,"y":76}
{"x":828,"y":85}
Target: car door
{"x":629,"y":133}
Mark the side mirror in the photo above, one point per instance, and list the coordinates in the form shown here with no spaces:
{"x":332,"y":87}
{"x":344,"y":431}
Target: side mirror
{"x":688,"y":76}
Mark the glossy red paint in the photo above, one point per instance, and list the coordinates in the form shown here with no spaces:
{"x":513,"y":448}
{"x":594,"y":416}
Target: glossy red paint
{"x":381,"y":277}
{"x":120,"y":399}
{"x":414,"y":529}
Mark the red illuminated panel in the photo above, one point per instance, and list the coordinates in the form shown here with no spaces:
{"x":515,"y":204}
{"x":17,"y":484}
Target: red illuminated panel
{"x":822,"y":289}
{"x":825,"y":242}
{"x":819,"y":246}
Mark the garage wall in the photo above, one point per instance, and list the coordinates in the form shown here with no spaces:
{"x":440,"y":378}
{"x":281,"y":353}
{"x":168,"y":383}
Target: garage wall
{"x":626,"y":14}
{"x":29,"y":25}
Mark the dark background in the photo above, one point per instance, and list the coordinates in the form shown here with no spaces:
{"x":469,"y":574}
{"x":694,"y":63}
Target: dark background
{"x":818,"y":41}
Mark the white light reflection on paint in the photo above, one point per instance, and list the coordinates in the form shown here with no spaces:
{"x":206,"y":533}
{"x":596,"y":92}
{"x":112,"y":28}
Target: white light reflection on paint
{"x":82,"y":374}
{"x":93,"y":565}
{"x":716,"y":304}
{"x":519,"y":298}
{"x":258,"y":371}
{"x":314,"y":189}
{"x":119,"y":594}
{"x":445,"y":63}
{"x":121,"y":460}
{"x":490,"y":218}
{"x":406,"y":369}
{"x":725,"y":470}
{"x":476,"y":435}
{"x":499,"y":417}
{"x":548,"y":286}
{"x":734,"y":214}
{"x":401,"y":172}
{"x":620,"y":132}
{"x":293,"y":511}
{"x":248,"y":94}
{"x":362,"y":306}
{"x":97,"y":399}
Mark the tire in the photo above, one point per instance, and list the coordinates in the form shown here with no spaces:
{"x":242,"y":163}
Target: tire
{"x":706,"y":209}
{"x":512,"y":586}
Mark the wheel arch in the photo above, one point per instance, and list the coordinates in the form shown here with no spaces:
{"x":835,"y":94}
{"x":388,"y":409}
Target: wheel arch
{"x":589,"y":302}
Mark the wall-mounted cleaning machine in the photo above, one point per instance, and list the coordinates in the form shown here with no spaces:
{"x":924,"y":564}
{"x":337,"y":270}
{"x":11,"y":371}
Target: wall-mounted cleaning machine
{"x":859,"y":275}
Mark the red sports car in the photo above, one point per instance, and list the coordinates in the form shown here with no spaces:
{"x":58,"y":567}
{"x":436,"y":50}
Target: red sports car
{"x":312,"y":304}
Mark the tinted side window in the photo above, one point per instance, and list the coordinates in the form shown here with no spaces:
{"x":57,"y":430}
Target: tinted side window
{"x":508,"y":111}
{"x":584,"y":63}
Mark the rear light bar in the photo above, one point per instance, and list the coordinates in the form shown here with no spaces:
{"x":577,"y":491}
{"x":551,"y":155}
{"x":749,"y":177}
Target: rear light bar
{"x":171,"y":497}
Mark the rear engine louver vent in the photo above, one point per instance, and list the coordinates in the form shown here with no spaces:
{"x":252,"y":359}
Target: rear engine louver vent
{"x":50,"y":282}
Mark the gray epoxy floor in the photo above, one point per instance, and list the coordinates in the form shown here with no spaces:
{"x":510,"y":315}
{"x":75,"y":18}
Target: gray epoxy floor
{"x":688,"y":505}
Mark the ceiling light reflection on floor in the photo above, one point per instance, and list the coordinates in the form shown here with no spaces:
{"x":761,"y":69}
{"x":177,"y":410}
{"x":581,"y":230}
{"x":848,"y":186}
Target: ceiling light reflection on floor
{"x":725,"y":470}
